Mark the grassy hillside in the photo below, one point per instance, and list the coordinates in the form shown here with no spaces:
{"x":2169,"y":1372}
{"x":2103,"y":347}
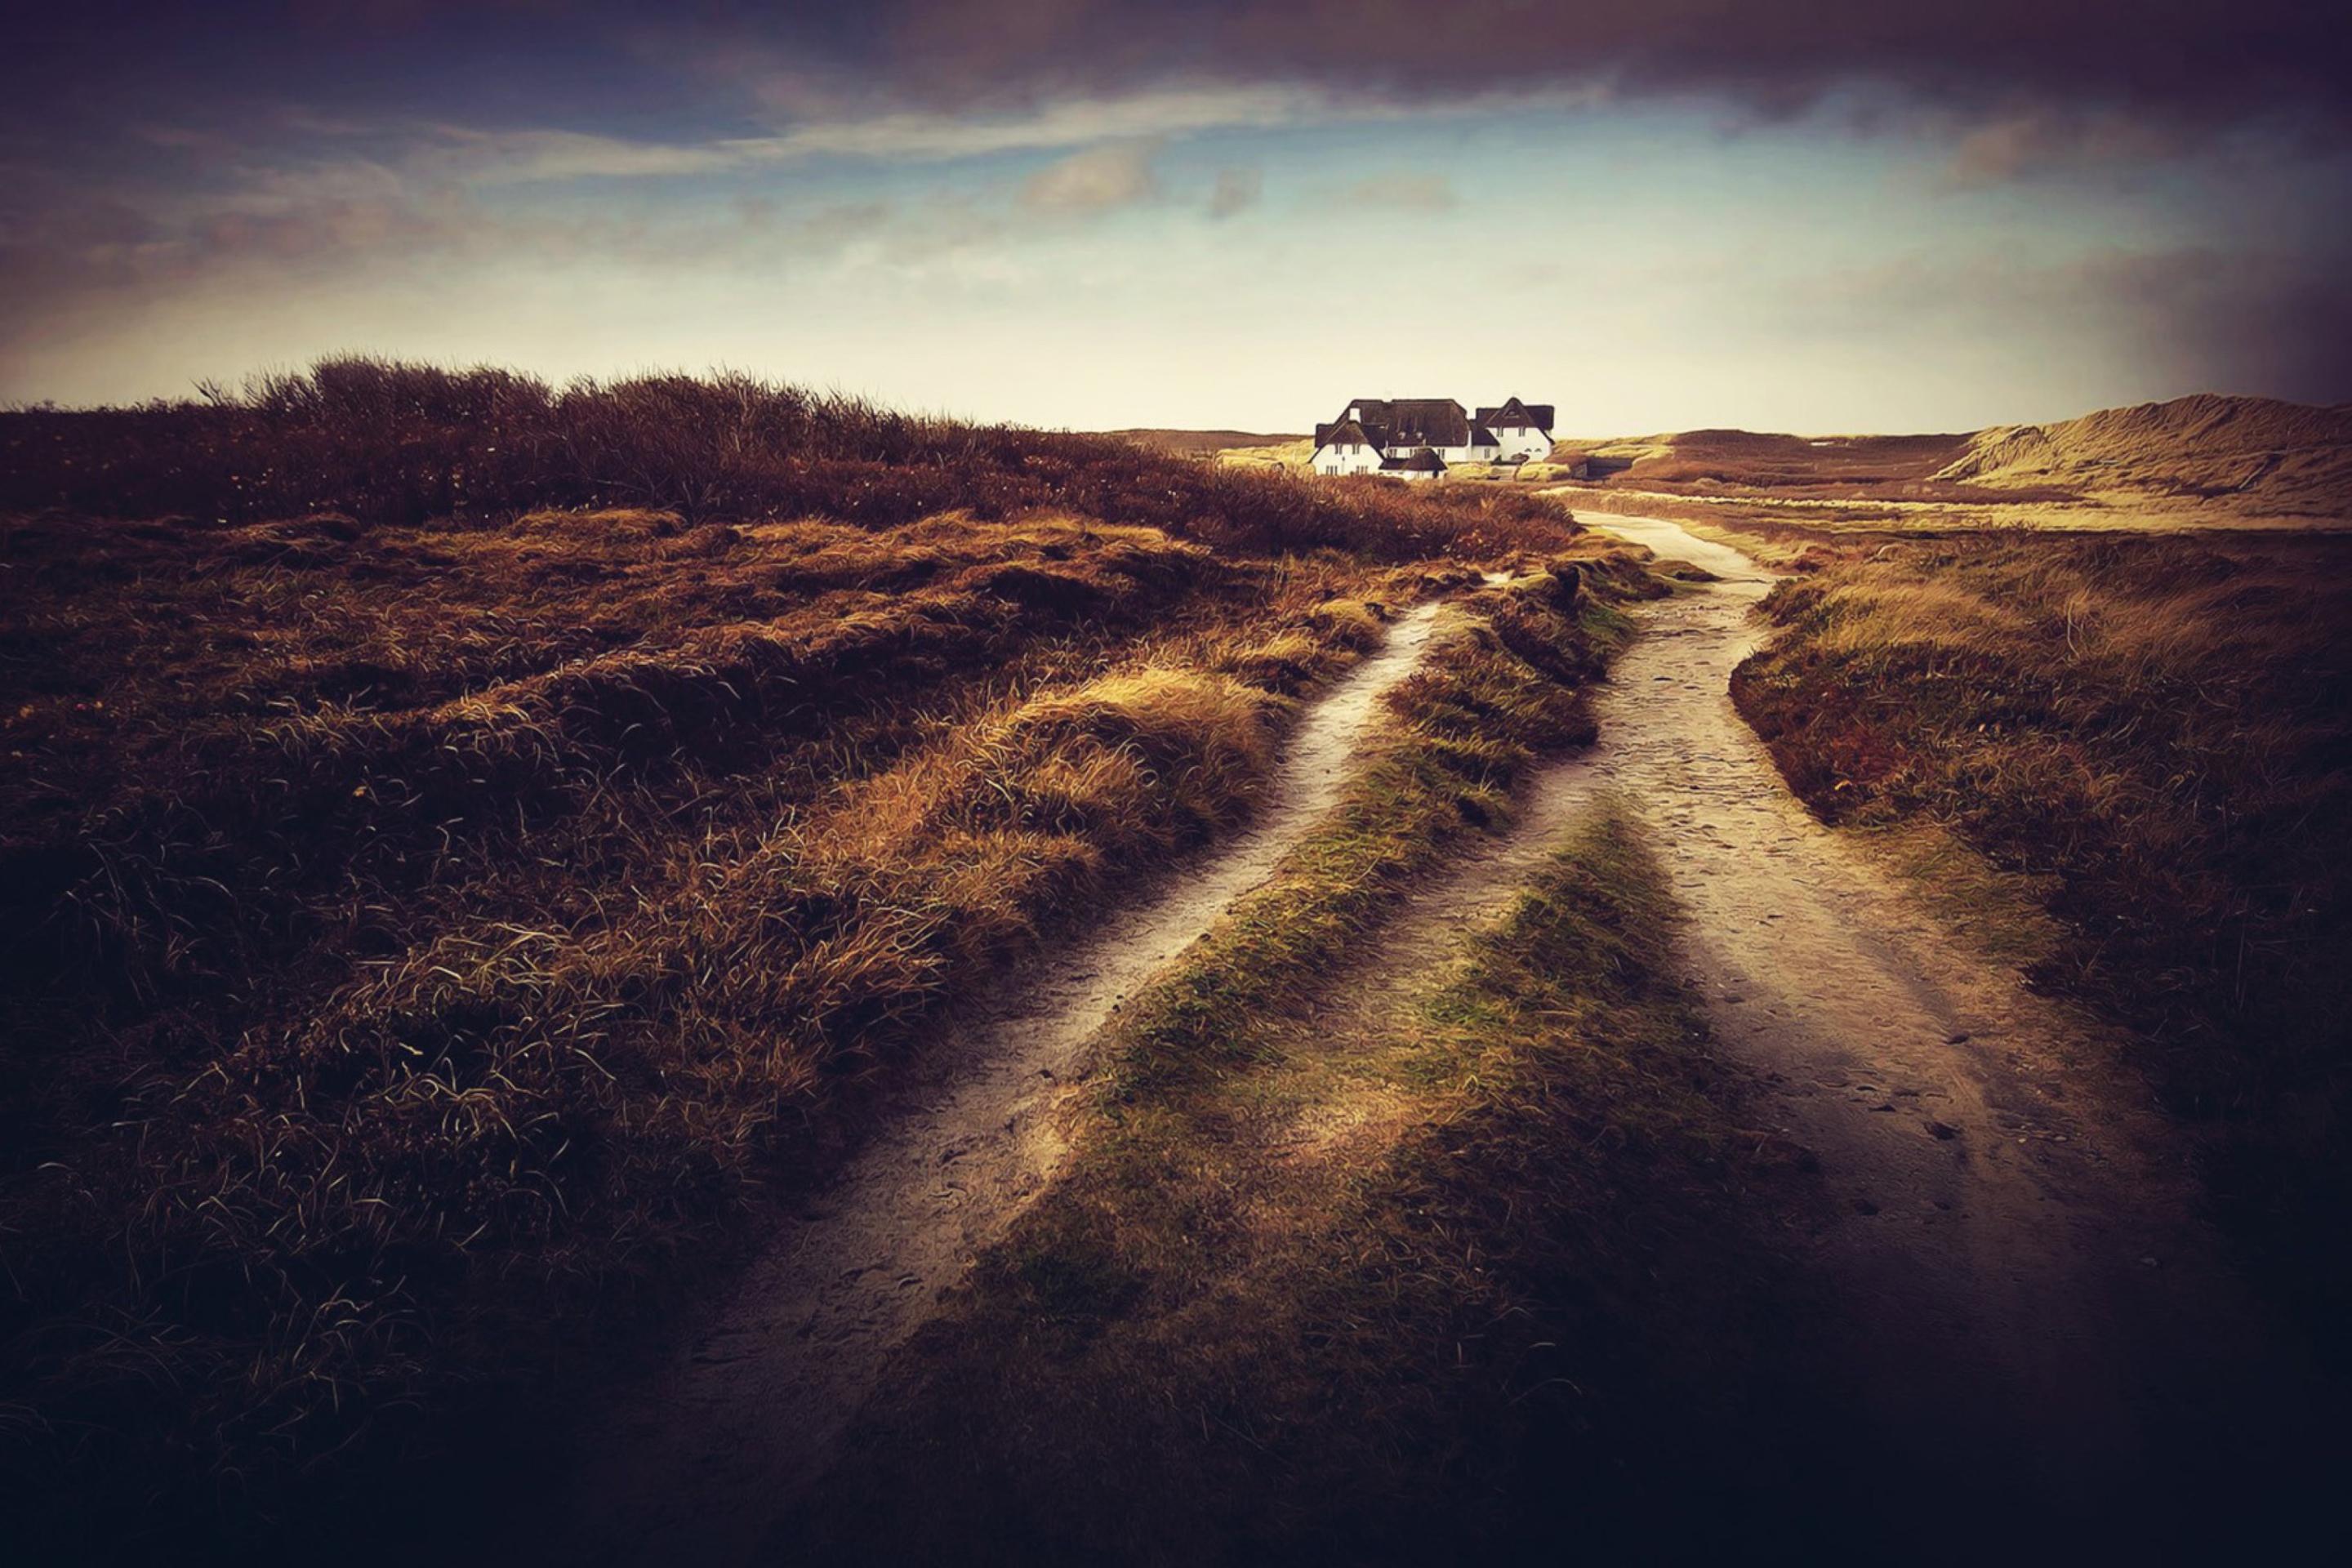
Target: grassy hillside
{"x":1201,"y":443}
{"x":2255,"y":452}
{"x":460,"y":836}
{"x":2161,"y":731}
{"x":2193,"y":463}
{"x":1742,"y":457}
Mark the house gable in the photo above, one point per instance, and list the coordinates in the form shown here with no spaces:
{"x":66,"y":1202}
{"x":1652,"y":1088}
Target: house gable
{"x":1514,"y":415}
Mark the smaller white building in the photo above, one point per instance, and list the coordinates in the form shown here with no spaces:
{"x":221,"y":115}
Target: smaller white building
{"x":1522,"y":431}
{"x":1344,"y":448}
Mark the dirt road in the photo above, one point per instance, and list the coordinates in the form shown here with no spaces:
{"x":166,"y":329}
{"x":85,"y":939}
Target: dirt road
{"x":2044,"y":1338}
{"x":694,"y":1465}
{"x":2044,"y":1342}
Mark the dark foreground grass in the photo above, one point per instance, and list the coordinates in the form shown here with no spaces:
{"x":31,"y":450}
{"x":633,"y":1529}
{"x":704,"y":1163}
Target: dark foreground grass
{"x":2160,"y":732}
{"x":424,"y":932}
{"x":1500,"y":1282}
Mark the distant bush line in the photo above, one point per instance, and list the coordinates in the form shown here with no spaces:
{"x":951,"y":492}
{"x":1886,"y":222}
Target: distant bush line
{"x":387,"y":442}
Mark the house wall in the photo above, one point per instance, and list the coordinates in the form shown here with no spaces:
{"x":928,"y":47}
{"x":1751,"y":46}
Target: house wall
{"x":1347,"y":457}
{"x":1521,"y":443}
{"x":1464,"y":454}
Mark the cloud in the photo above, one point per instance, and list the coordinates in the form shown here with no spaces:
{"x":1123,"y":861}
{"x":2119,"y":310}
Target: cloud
{"x":78,"y":259}
{"x":441,"y":135}
{"x":2016,"y":146}
{"x":2187,"y":61}
{"x":1407,"y":192}
{"x":2192,"y":318}
{"x":484,"y":157}
{"x":1077,"y":120}
{"x":1237,"y":190}
{"x":1094,"y":180}
{"x":2267,"y":321}
{"x":958,"y":78}
{"x":401,"y":153}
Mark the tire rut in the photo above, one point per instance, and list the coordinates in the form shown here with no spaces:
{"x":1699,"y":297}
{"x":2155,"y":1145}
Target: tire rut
{"x":696,"y":1463}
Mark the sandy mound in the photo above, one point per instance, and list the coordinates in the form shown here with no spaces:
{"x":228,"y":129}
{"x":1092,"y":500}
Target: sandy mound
{"x":2259,"y":453}
{"x":1299,"y":454}
{"x":1202,"y":443}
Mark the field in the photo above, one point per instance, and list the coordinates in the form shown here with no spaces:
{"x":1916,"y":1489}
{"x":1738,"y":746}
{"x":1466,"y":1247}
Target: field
{"x":461,"y":839}
{"x":508,"y":894}
{"x":1201,"y":443}
{"x":2189,"y":464}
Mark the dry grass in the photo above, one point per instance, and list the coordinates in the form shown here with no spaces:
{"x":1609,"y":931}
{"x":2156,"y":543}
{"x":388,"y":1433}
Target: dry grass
{"x":1510,"y":1289}
{"x":1749,"y":460}
{"x":2159,"y":731}
{"x":1201,"y":443}
{"x":2194,"y":464}
{"x":423,"y":934}
{"x":2255,"y":455}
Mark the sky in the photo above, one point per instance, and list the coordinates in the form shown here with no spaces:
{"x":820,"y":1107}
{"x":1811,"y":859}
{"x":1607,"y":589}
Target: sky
{"x":1818,"y":215}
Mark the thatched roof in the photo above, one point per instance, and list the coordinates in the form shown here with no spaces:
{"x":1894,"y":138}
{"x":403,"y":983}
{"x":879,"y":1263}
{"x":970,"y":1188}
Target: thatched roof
{"x":1422,"y":461}
{"x":1412,"y":421}
{"x":1517,"y":414}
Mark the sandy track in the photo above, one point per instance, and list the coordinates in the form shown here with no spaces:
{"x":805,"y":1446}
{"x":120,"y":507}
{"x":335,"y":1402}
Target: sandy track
{"x":2043,"y":1341}
{"x":2043,"y":1333}
{"x":696,"y":1463}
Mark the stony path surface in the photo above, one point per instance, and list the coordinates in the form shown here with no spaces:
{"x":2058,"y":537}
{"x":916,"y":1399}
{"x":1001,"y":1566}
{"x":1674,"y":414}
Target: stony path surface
{"x":693,"y":1466}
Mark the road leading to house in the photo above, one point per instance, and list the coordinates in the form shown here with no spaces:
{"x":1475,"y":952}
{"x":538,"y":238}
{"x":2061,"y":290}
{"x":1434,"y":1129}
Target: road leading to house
{"x":2045,"y":1345}
{"x":2045,"y":1339}
{"x":695,"y":1464}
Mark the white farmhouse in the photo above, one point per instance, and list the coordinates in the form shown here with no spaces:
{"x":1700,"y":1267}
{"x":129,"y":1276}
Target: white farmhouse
{"x":1522,"y":430}
{"x":1416,"y":438}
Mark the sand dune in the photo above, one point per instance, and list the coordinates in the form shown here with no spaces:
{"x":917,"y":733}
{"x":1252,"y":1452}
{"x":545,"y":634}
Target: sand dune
{"x":2193,"y":462}
{"x":2265,"y":454}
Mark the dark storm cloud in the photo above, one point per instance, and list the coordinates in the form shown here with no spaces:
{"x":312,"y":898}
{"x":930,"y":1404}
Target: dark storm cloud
{"x":2274,"y":322}
{"x":2279,"y":323}
{"x":2169,"y":60}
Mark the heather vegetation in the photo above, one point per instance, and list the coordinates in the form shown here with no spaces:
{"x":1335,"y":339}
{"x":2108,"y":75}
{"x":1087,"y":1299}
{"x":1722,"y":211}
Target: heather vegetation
{"x":461,"y":838}
{"x":391,"y":443}
{"x":2157,"y":730}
